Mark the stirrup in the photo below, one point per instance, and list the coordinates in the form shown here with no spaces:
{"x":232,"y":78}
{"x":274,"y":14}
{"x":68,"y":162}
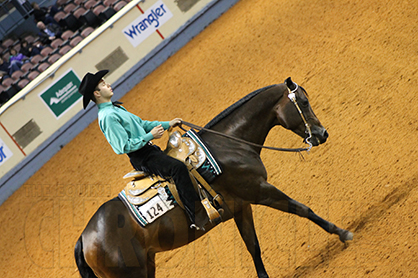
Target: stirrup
{"x":194,"y":226}
{"x":213,"y":214}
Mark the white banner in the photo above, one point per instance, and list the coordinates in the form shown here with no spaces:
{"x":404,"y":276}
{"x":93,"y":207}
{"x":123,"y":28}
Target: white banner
{"x":146,"y":24}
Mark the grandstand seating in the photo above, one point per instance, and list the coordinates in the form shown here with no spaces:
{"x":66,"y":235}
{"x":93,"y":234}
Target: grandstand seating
{"x":78,"y":18}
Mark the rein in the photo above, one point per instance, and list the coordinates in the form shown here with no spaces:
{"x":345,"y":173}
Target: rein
{"x":243,"y":141}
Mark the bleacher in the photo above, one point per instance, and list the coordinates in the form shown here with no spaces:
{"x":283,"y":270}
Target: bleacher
{"x":78,"y":19}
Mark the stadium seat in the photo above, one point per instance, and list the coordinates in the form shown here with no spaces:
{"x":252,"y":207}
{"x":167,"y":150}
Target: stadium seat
{"x":61,"y":3}
{"x":54,"y":58}
{"x":7,"y":82}
{"x":29,"y":38}
{"x":17,"y":47}
{"x":36,"y":59}
{"x":67,"y":34}
{"x":46,"y":51}
{"x":87,"y":31}
{"x":76,"y":41}
{"x":79,"y":12}
{"x":109,"y":3}
{"x":89,"y":4}
{"x":98,"y":9}
{"x":11,"y":91}
{"x":17,"y":74}
{"x":23,"y":82}
{"x":27,"y":66}
{"x":7,"y":43}
{"x":90,"y":19}
{"x":59,"y":16}
{"x":71,"y":22}
{"x":69,"y":7}
{"x":119,"y":5}
{"x":65,"y":49}
{"x":56,"y":43}
{"x":106,"y":14}
{"x":42,"y":67}
{"x":32,"y":75}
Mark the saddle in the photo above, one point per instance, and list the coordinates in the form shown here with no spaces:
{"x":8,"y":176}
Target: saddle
{"x":143,"y":187}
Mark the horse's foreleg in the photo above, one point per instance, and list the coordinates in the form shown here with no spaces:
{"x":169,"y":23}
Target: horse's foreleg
{"x":272,"y":197}
{"x":245,"y":224}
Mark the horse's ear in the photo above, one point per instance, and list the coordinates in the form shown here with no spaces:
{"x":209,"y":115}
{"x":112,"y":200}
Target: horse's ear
{"x":289,"y":83}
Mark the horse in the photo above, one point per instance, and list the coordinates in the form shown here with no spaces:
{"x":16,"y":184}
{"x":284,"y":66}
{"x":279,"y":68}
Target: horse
{"x":114,"y":245}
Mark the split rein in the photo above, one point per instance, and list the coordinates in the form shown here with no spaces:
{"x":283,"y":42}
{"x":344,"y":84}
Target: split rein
{"x":292,"y":97}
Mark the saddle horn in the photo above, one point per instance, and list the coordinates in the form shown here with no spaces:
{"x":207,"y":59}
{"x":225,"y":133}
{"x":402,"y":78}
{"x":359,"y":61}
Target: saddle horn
{"x":289,"y":83}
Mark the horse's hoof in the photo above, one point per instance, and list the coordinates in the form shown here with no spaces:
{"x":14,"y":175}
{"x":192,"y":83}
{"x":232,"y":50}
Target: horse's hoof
{"x":346,"y":235}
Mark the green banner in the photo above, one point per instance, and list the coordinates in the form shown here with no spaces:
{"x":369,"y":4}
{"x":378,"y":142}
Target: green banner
{"x":63,"y":94}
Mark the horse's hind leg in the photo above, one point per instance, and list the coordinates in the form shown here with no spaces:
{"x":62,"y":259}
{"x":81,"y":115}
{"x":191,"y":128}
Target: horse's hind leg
{"x":151,"y":265}
{"x":272,"y":197}
{"x":245,"y":224}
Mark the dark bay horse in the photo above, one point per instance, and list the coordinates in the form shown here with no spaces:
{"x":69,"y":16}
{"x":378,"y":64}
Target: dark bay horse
{"x":114,"y":245}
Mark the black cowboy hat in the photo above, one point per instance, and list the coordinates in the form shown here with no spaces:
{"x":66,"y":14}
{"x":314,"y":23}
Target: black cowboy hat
{"x":89,"y":84}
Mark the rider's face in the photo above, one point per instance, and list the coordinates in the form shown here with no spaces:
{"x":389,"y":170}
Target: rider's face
{"x":105,"y":90}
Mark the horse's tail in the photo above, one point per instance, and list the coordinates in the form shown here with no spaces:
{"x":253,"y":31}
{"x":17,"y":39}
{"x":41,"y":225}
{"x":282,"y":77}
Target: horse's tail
{"x":83,"y":267}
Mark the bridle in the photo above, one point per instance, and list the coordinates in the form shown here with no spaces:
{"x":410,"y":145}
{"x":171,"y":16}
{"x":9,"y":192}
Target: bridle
{"x":292,"y":97}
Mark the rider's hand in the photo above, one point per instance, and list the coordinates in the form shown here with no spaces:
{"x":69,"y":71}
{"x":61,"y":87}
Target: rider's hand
{"x":157,"y":132}
{"x":175,"y":122}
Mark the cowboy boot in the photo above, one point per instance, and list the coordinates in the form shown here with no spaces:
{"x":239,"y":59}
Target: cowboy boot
{"x":192,"y":217}
{"x":201,"y":217}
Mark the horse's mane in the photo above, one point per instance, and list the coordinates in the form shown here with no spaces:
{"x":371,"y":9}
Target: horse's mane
{"x":234,"y":106}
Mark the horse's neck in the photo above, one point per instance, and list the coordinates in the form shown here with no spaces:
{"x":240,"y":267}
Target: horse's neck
{"x":254,"y":119}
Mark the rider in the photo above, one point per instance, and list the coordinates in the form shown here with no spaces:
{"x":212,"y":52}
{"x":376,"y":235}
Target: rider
{"x":129,"y":134}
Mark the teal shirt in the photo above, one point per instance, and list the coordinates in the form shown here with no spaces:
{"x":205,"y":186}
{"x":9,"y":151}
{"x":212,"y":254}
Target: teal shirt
{"x":125,"y":131}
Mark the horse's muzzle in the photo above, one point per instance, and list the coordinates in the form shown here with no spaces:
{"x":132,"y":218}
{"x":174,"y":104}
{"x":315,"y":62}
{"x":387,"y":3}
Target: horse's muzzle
{"x":319,"y":135}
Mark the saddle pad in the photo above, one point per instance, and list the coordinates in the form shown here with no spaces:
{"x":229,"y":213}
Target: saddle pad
{"x":150,"y":211}
{"x":210,"y":169}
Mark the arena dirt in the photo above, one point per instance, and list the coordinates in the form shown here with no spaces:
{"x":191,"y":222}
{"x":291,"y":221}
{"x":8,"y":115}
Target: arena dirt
{"x":357,"y":60}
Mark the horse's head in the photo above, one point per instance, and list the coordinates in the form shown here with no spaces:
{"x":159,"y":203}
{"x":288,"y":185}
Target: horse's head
{"x":295,"y":113}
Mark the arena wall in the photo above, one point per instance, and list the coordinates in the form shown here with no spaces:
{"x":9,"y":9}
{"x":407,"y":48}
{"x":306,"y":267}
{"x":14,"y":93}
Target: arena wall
{"x":47,"y":114}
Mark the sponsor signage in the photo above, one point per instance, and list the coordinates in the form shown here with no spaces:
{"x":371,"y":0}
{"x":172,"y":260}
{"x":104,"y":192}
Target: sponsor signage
{"x":5,"y":152}
{"x":146,"y":24}
{"x":62,"y":94}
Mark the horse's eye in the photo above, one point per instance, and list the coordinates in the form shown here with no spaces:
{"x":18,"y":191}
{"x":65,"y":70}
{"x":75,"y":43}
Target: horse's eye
{"x":304,"y":102}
